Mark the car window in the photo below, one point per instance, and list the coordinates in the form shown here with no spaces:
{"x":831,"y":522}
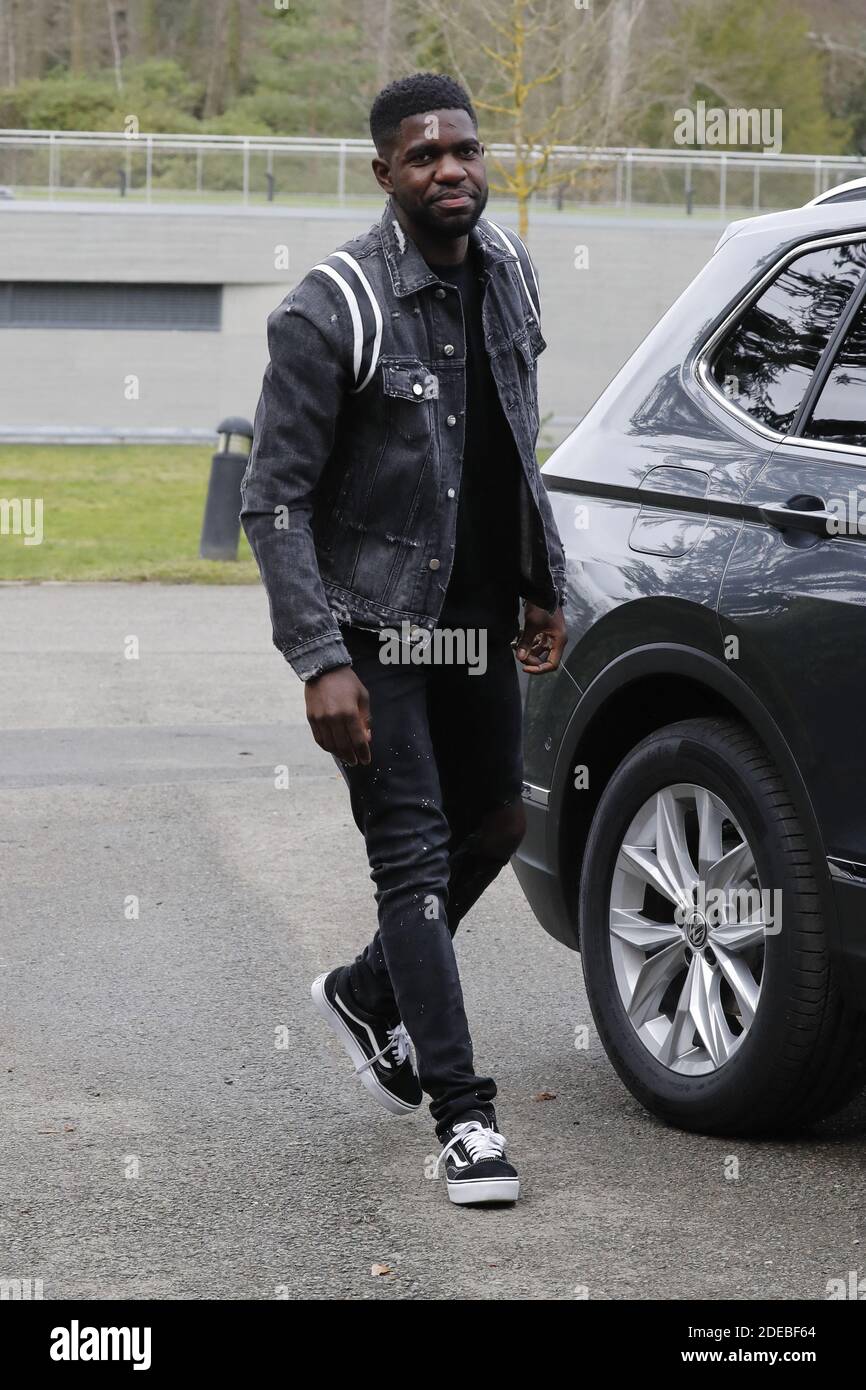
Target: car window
{"x":840,"y":411}
{"x":766,"y":362}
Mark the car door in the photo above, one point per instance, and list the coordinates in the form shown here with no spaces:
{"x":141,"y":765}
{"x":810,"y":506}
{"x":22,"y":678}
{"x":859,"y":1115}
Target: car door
{"x":793,"y":602}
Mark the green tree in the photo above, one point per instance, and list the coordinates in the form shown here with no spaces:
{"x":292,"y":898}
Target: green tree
{"x":311,"y":77}
{"x":159,"y":93}
{"x":149,"y":27}
{"x":746,"y":53}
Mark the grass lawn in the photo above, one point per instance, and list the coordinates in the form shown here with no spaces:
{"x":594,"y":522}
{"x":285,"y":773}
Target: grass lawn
{"x":121,"y":511}
{"x":126,"y":511}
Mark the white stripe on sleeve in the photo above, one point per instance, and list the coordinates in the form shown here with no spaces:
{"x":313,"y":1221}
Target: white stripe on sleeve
{"x":377,"y":314}
{"x":354,"y":312}
{"x":506,"y":241}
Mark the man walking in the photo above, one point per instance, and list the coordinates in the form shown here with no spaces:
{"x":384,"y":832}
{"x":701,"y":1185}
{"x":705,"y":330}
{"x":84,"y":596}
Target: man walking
{"x":393,"y":497}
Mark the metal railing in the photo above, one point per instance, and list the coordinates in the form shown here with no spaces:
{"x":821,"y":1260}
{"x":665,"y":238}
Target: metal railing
{"x":150,"y":167}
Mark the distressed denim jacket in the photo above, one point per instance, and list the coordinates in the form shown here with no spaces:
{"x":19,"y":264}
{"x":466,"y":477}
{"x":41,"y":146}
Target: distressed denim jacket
{"x":350,"y":495}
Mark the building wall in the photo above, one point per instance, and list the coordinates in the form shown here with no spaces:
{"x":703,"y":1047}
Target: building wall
{"x":75,"y":379}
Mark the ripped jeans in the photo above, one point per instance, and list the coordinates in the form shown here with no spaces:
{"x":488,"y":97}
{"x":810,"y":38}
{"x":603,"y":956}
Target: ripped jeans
{"x":440,"y":809}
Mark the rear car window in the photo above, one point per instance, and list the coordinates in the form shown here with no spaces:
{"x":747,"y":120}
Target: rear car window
{"x":767,"y":360}
{"x":839,"y":415}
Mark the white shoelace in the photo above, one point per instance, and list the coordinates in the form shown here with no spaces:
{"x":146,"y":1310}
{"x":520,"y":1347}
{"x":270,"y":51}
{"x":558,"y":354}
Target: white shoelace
{"x":478,"y":1141}
{"x":398,"y":1042}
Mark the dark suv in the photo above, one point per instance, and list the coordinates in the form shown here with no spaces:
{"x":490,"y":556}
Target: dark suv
{"x":695,"y":782}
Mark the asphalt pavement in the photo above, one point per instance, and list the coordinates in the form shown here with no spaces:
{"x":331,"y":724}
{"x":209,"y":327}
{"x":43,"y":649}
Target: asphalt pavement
{"x":177,"y":862}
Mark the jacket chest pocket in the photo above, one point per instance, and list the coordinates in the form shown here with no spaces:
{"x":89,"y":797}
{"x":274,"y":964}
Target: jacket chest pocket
{"x":409,"y":390}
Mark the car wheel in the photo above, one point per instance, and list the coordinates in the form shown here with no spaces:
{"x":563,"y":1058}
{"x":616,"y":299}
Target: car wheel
{"x":703,"y":947}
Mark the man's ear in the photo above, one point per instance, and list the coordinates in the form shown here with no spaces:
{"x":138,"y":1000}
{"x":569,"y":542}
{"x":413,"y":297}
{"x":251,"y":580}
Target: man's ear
{"x":382,"y":173}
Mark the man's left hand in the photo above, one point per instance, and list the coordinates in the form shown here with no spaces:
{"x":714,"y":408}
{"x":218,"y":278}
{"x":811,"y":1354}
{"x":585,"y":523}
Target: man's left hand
{"x":541,"y":640}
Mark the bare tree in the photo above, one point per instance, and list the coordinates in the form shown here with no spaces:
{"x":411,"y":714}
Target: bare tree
{"x":115,"y":42}
{"x":384,"y":65}
{"x":622,"y":15}
{"x":77,"y":35}
{"x":519,"y":51}
{"x":7,"y":27}
{"x":216,"y":69}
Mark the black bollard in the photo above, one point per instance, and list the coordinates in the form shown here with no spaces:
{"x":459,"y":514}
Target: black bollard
{"x":221,"y":527}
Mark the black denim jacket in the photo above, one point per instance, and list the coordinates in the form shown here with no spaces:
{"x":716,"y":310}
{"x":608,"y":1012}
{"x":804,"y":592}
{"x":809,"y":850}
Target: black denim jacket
{"x":350,"y":495}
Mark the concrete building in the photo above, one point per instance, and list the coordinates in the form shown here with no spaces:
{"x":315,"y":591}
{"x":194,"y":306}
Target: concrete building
{"x":137,"y":321}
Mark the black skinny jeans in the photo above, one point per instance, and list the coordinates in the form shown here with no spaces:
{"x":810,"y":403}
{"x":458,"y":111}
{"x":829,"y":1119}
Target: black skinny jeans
{"x":445,"y":753}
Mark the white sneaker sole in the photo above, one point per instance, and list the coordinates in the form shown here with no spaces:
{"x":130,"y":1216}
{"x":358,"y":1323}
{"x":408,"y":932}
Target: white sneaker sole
{"x":484,"y":1190}
{"x":338,"y":1027}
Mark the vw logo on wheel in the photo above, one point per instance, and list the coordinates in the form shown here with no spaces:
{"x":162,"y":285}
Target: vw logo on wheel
{"x":697,"y":930}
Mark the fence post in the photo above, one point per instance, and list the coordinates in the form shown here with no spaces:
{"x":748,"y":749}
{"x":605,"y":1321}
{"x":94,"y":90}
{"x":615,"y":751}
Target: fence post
{"x":149,"y":166}
{"x":628,"y":167}
{"x":52,"y":175}
{"x":246,"y":171}
{"x":723,"y":185}
{"x":756,"y":188}
{"x":341,"y":175}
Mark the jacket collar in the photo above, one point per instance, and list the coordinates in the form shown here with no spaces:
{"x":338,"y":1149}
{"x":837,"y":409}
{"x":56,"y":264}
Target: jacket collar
{"x":407,"y":267}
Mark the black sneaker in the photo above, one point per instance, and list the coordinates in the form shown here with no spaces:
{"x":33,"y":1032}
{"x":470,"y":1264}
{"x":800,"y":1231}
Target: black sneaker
{"x":382,"y":1056}
{"x":475,"y":1164}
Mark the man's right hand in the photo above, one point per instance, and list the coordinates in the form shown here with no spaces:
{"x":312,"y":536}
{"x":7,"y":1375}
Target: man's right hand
{"x":338,"y":712}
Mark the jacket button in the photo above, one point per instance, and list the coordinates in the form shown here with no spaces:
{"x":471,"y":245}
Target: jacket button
{"x":418,"y":389}
{"x":451,"y":492}
{"x":452,"y":420}
{"x":448,"y":349}
{"x":439,"y":293}
{"x":434,"y":564}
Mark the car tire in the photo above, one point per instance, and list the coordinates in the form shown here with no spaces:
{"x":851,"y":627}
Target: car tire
{"x":800,"y":1049}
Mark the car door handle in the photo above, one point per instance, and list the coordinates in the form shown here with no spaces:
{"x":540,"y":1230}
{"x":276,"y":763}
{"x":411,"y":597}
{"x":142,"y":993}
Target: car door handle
{"x":789,"y":516}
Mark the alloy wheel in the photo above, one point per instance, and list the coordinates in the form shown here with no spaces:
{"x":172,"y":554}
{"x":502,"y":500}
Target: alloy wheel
{"x":688,"y":929}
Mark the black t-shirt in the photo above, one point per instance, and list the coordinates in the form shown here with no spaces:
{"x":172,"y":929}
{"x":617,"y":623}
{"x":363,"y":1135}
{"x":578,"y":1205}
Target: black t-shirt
{"x":483,"y":588}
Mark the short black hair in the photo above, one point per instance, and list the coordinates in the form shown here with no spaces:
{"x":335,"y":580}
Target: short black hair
{"x":421,"y":91}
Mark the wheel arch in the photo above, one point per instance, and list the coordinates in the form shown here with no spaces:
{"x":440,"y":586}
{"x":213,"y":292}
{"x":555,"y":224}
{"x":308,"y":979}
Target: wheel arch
{"x":640,"y":691}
